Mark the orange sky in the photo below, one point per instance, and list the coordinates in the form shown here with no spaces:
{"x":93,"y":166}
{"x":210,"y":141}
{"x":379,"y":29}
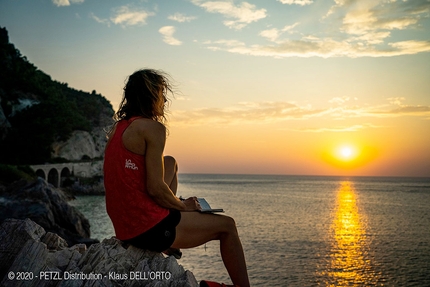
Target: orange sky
{"x":400,"y":147}
{"x":271,"y":87}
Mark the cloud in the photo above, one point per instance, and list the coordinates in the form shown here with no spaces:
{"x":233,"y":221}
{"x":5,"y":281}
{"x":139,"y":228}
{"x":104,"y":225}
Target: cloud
{"x":242,"y":14}
{"x":182,"y":98}
{"x":100,"y":20}
{"x":288,"y":28}
{"x":410,"y":110}
{"x":125,"y":16}
{"x":167,"y":32}
{"x":271,"y":34}
{"x":178,"y":17}
{"x":339,"y":100}
{"x":396,"y":101}
{"x":274,"y":33}
{"x":273,"y":112}
{"x":404,"y":110}
{"x":410,"y":47}
{"x":351,"y":28}
{"x":363,"y":16}
{"x":395,"y":108}
{"x":298,"y":2}
{"x":60,"y":3}
{"x":352,"y":128}
{"x":370,"y":38}
{"x":242,"y":113}
{"x":316,"y":47}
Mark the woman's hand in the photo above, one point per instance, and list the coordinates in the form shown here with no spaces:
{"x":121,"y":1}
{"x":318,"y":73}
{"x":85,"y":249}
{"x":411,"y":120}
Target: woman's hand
{"x":192,"y":204}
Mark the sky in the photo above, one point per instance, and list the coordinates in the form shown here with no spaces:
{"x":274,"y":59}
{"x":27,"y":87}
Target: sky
{"x":298,"y":87}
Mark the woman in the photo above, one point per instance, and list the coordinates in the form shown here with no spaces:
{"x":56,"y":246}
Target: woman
{"x":141,"y":183}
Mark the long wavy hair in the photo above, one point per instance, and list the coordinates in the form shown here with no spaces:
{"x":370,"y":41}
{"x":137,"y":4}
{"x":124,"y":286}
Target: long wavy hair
{"x":145,"y":95}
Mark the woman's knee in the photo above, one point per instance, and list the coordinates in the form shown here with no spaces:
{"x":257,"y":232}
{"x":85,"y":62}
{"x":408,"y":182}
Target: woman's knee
{"x":228,"y":224}
{"x":170,"y":162}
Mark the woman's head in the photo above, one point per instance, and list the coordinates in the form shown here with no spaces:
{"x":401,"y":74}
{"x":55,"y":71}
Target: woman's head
{"x":145,"y":95}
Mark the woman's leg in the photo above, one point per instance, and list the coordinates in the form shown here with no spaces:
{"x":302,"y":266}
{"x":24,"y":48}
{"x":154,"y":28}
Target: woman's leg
{"x":171,"y":179}
{"x":171,"y":173}
{"x":195,"y":229}
{"x":207,"y":227}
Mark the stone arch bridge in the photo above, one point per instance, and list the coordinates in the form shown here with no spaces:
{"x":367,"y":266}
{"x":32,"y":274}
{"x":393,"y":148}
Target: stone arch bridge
{"x":56,"y":173}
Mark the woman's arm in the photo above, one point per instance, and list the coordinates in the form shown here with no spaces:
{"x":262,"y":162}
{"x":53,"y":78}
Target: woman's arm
{"x":148,"y":137}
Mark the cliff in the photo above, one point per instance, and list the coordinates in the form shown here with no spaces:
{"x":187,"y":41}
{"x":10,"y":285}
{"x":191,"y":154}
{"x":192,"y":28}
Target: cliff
{"x":42,"y":120}
{"x":32,"y":257}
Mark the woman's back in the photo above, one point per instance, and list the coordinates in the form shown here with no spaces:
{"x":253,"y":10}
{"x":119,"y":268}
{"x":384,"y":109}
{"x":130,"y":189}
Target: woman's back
{"x":128,"y":204}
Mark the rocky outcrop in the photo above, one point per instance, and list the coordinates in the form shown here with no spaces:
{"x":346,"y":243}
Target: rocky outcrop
{"x":78,"y":188}
{"x":32,"y":257}
{"x":86,"y":144}
{"x":47,"y":206}
{"x":45,"y":111}
{"x":80,"y":144}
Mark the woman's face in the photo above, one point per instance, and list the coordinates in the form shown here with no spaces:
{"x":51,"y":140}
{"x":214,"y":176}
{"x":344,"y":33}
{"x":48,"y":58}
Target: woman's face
{"x":161,"y":101}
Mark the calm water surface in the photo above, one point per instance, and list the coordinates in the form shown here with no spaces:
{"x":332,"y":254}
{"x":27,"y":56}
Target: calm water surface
{"x":310,"y":231}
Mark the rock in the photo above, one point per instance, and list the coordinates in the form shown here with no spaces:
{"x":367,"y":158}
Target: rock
{"x":80,"y":144}
{"x":53,"y":241}
{"x":14,"y":234}
{"x":79,"y":188}
{"x":24,"y":253}
{"x":47,"y":206}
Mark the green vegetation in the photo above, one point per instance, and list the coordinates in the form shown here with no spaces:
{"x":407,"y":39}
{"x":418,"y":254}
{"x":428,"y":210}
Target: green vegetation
{"x":55,"y":111}
{"x":9,"y":173}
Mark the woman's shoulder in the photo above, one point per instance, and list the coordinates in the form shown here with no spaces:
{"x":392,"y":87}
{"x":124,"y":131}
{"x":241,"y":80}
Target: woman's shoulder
{"x":149,"y":125}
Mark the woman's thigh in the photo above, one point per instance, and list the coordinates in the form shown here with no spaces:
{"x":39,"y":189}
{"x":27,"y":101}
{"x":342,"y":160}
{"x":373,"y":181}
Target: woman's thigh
{"x":196,"y":228}
{"x":170,"y":173}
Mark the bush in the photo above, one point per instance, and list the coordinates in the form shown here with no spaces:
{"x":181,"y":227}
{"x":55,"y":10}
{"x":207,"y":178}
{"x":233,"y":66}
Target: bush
{"x":86,"y":158}
{"x":11,"y":173}
{"x":59,"y":160}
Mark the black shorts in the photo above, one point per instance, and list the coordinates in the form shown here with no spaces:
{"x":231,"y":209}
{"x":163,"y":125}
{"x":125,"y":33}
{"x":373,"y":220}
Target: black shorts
{"x":161,"y":236}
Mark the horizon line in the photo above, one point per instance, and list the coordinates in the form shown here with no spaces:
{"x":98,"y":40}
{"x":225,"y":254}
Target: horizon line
{"x":303,"y":175}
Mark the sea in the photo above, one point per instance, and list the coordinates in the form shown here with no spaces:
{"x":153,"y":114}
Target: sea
{"x":309,"y":230}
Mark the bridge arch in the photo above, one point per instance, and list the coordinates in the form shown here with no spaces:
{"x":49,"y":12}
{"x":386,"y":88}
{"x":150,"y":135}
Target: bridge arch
{"x":53,"y":177}
{"x":65,"y":173}
{"x":41,"y":173}
{"x":56,"y":174}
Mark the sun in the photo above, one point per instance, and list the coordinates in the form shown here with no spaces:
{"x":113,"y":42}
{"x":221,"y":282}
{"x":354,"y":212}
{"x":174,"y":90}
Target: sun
{"x":346,"y":153}
{"x":348,"y":156}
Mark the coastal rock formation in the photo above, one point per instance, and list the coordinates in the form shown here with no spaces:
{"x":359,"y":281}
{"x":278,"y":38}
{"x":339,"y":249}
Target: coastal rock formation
{"x":80,"y":144}
{"x":79,"y":188}
{"x":47,"y":206}
{"x":60,"y":123}
{"x":85,"y":144}
{"x":32,"y":257}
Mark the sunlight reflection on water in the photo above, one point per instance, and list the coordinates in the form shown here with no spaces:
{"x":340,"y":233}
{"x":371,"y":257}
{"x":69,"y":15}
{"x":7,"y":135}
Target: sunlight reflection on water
{"x":310,"y":231}
{"x":349,"y":263}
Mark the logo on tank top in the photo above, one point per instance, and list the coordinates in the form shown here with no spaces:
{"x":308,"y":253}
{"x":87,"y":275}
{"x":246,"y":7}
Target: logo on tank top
{"x":130,"y":165}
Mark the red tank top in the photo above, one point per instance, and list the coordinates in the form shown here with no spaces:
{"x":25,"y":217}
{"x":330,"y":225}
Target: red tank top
{"x":128,"y":203}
